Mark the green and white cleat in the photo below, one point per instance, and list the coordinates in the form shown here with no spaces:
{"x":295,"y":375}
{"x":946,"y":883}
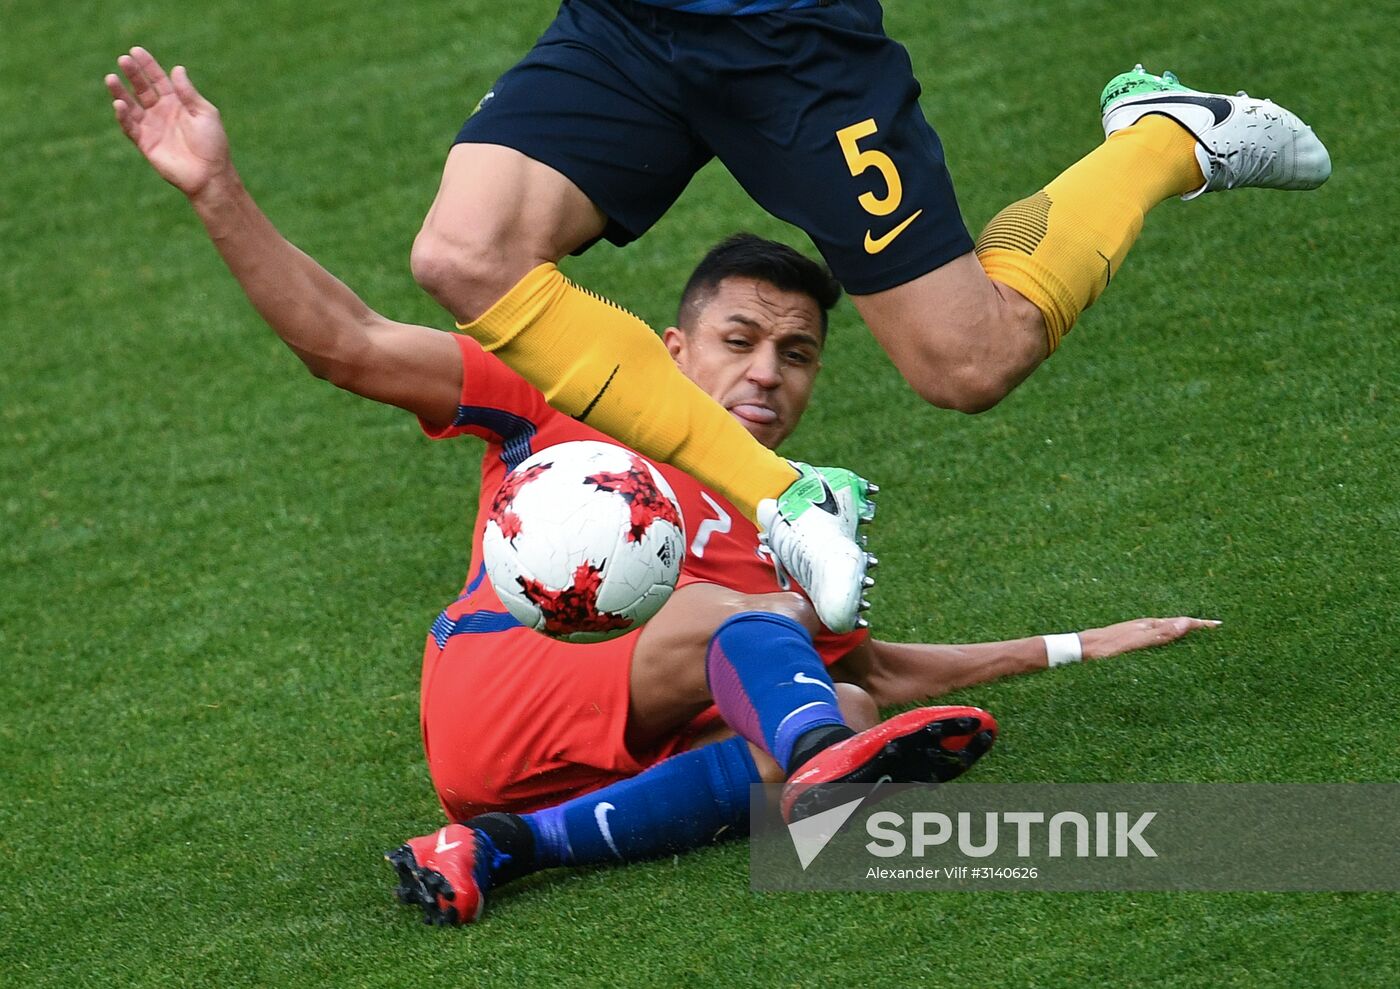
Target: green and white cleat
{"x":1240,"y":141}
{"x":811,"y":531}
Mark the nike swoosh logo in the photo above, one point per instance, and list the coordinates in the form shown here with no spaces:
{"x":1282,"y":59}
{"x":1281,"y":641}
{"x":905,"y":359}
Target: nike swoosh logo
{"x":600,"y":814}
{"x":1219,"y":107}
{"x":804,"y":678}
{"x":445,"y":846}
{"x":874,"y":245}
{"x":583,"y":416}
{"x":828,"y":503}
{"x":1108,"y":275}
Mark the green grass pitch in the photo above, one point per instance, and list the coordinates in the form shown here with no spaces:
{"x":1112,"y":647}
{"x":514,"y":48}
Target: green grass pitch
{"x":216,"y":572}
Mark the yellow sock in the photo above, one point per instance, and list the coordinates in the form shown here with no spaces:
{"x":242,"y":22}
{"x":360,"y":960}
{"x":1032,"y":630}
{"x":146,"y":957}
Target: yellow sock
{"x":600,"y":364}
{"x":1060,"y":247}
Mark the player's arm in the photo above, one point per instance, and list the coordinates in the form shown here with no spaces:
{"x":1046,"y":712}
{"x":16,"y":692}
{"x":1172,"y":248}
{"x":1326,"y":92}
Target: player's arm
{"x":898,"y":673}
{"x":335,"y":334}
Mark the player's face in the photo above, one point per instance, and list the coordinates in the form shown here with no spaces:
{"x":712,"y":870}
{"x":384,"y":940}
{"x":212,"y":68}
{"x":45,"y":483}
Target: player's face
{"x":756,"y":350}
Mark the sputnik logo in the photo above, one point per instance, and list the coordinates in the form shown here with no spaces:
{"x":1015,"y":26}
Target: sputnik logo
{"x":812,"y":834}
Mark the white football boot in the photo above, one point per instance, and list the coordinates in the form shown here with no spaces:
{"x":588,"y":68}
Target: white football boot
{"x":811,"y":531}
{"x":1240,"y":141}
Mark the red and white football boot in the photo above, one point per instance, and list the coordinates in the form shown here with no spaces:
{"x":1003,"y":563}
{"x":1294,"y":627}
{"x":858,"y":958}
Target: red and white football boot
{"x":438,"y":872}
{"x":925,"y":745}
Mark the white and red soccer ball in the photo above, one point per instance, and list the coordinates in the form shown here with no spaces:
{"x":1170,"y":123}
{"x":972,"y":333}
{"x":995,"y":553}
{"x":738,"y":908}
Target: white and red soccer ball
{"x":584,"y":541}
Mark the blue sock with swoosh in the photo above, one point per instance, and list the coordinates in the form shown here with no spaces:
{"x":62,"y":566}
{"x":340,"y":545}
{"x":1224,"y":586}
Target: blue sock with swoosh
{"x":770,"y":686}
{"x":692,"y":799}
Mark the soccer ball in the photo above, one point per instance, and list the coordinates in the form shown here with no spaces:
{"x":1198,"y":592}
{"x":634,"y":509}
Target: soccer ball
{"x":584,"y":541}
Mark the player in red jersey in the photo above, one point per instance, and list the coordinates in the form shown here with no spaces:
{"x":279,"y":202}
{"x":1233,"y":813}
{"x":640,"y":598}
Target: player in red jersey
{"x":581,"y":691}
{"x":557,"y":731}
{"x":550,"y":753}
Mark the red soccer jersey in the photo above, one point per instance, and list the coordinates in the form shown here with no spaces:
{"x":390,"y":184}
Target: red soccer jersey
{"x":513,"y":418}
{"x":516,"y":721}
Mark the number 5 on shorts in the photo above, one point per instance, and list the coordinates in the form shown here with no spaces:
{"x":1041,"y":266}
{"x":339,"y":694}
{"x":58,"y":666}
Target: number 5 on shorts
{"x":859,"y":161}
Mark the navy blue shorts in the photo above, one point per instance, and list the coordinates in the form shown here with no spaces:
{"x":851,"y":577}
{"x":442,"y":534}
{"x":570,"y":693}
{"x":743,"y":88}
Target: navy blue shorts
{"x":815,"y":112}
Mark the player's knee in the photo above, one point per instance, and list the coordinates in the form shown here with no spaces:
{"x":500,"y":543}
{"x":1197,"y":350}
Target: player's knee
{"x":442,"y":268}
{"x":465,"y":274}
{"x":788,"y":604}
{"x":967,"y":389}
{"x":857,"y":707}
{"x":977,"y":373}
{"x":970,"y":361}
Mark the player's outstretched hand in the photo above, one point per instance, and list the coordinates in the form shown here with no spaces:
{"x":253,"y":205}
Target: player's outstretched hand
{"x":1139,"y":633}
{"x":177,"y":129}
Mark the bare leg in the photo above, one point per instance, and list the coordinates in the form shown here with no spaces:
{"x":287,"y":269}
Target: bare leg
{"x":497,"y":216}
{"x":961,"y":340}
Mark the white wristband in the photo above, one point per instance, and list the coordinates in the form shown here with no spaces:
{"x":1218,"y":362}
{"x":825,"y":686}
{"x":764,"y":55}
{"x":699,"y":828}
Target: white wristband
{"x":1063,"y":649}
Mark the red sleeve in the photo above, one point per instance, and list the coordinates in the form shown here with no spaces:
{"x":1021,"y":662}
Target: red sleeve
{"x":496,"y":404}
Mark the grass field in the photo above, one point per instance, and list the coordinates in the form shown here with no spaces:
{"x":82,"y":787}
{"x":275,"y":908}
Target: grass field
{"x":217,"y":572}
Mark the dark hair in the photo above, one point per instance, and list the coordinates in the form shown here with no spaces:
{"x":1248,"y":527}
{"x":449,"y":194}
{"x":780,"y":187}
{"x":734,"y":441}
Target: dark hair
{"x":747,"y":255}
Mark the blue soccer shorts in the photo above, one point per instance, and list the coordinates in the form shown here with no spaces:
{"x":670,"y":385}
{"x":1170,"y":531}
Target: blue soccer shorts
{"x":815,"y":112}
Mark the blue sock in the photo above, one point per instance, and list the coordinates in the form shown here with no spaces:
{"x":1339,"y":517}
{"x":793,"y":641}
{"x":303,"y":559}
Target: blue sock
{"x":769,"y":682}
{"x":689,"y":800}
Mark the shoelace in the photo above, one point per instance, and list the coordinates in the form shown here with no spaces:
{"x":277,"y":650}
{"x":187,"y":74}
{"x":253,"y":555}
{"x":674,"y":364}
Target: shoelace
{"x":777,"y":539}
{"x":1247,"y":161}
